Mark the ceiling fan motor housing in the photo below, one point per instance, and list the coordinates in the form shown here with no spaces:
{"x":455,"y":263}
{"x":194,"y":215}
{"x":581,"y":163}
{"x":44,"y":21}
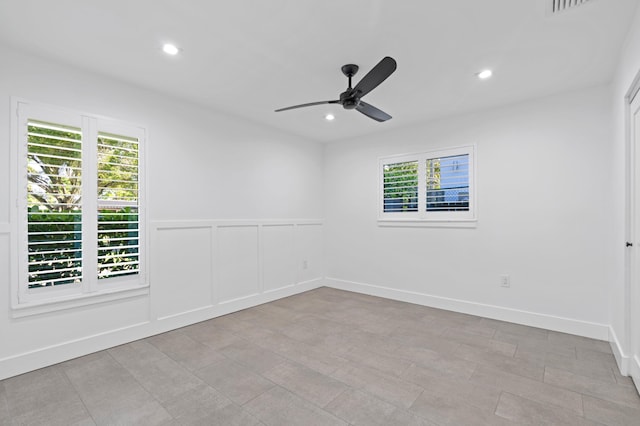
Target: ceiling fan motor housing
{"x":349,"y":99}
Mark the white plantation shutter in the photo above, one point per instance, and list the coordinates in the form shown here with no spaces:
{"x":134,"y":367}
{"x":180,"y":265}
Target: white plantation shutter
{"x":448,"y":183}
{"x":80,"y":192}
{"x":561,"y":5}
{"x":118,"y":210}
{"x":429,"y":187}
{"x":400,"y":187}
{"x":54,"y":204}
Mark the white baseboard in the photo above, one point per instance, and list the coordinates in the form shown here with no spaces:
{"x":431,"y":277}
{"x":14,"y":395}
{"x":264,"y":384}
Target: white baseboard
{"x":533,"y":319}
{"x":187,"y":318}
{"x":43,"y":357}
{"x":628,"y":365}
{"x":621,"y":358}
{"x":634,"y":371}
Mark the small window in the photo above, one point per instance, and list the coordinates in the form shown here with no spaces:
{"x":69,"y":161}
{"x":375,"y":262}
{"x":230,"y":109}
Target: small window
{"x":429,"y":188}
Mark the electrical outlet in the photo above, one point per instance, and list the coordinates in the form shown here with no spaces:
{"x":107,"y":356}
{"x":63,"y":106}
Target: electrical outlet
{"x":505,"y":281}
{"x":305,"y":264}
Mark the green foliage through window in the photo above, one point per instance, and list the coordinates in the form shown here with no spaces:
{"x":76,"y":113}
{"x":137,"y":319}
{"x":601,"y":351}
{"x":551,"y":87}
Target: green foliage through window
{"x":54,"y":203}
{"x":118,"y":221}
{"x":118,"y":242}
{"x":400,"y":187}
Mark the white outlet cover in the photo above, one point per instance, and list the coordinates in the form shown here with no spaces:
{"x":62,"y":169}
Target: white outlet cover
{"x":505,"y":281}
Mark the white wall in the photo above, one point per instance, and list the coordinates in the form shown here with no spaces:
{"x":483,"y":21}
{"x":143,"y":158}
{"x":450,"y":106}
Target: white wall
{"x":234,"y":211}
{"x":543,"y":208}
{"x":627,"y":70}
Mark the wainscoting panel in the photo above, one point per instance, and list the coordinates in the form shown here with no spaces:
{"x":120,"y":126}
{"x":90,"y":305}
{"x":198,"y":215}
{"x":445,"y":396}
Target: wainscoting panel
{"x":181,"y":270}
{"x":198,"y":270}
{"x":203,"y":269}
{"x":309,"y":246}
{"x":279,"y":261}
{"x":237,"y":262}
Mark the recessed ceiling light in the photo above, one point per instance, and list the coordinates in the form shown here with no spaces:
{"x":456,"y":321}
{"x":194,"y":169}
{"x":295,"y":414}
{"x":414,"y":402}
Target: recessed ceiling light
{"x":329,"y":117}
{"x":170,"y":49}
{"x":484,"y":74}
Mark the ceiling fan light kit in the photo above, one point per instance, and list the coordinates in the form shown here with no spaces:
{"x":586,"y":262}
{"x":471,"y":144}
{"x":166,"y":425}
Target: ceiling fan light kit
{"x":352,"y":97}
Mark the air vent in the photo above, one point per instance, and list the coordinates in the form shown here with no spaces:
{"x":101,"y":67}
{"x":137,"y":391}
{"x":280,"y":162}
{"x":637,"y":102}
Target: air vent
{"x":557,"y":6}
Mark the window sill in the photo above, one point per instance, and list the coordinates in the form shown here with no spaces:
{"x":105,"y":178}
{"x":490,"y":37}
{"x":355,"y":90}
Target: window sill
{"x":69,"y":302}
{"x":428,"y":223}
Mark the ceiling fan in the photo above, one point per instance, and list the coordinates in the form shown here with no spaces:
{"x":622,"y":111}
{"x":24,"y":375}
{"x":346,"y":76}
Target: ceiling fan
{"x":351,"y":98}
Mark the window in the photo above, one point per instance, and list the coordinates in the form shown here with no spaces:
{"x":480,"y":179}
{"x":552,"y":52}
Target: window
{"x":118,"y":218}
{"x":80,"y":211}
{"x":54,"y":204}
{"x":401,"y":187}
{"x":430,"y":187}
{"x":448,"y":183}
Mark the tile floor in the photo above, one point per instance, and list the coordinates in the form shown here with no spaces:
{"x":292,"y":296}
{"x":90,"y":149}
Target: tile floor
{"x":329,"y":357}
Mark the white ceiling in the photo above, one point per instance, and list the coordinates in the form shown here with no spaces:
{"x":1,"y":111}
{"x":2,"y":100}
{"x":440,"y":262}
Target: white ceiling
{"x":249,"y":57}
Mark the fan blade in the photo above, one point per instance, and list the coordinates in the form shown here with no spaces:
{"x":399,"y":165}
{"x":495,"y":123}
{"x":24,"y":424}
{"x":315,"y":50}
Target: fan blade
{"x":306,"y":105}
{"x":372,"y":112}
{"x":377,"y":75}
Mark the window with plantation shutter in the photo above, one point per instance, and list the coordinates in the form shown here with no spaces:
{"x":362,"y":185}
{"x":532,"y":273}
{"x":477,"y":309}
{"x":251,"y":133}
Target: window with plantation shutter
{"x":448,"y":183}
{"x":429,"y":188}
{"x":400,"y":187}
{"x":54,"y":204}
{"x":118,"y":220}
{"x":80,"y":227}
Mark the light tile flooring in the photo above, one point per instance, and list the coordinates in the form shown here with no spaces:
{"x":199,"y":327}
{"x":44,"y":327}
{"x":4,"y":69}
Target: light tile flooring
{"x":329,"y":357}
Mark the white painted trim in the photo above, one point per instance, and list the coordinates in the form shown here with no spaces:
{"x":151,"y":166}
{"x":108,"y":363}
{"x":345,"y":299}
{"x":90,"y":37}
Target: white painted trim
{"x":634,"y":371}
{"x":533,"y":319}
{"x":188,"y":312}
{"x":259,"y":299}
{"x":280,"y":288}
{"x":32,"y":360}
{"x":43,"y":357}
{"x":238,"y":299}
{"x":186,"y":224}
{"x":621,"y":358}
{"x":52,"y":305}
{"x":426,"y":223}
{"x":183,"y":319}
{"x":5,"y":228}
{"x":632,"y":266}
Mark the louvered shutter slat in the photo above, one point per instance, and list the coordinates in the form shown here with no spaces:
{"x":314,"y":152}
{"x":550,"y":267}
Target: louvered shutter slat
{"x":448,"y":183}
{"x":400,"y":187}
{"x":54,"y":194}
{"x":118,"y":221}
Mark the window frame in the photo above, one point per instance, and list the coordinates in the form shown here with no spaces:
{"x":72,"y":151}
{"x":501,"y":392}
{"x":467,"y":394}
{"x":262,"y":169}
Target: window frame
{"x":423,"y":217}
{"x":26,"y":301}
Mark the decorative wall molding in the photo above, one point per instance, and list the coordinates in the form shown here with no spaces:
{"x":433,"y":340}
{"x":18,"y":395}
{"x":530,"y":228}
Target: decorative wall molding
{"x":187,"y":279}
{"x":203,"y":223}
{"x":5,"y":228}
{"x":549,"y":322}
